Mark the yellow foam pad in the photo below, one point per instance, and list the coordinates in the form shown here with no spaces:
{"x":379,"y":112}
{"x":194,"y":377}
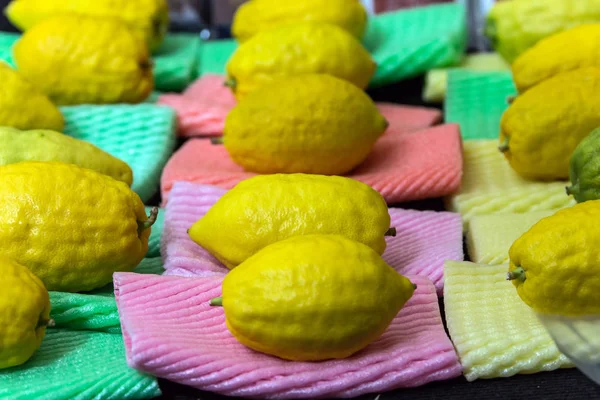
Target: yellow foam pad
{"x":490,"y":236}
{"x":491,"y":186}
{"x":495,"y":334}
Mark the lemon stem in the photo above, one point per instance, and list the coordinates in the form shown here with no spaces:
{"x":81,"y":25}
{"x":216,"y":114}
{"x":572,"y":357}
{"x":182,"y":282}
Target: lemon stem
{"x":143,"y":225}
{"x":217,"y":140}
{"x":45,"y":322}
{"x":510,"y":99}
{"x":390,"y":232}
{"x":217,"y":301}
{"x":230,"y":83}
{"x":517,"y":273}
{"x":414,"y":286}
{"x":504,"y":145}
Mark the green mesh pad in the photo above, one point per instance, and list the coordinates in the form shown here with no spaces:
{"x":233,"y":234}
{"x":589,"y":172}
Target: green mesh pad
{"x":77,"y":365}
{"x":410,"y":42}
{"x":96,"y":310}
{"x":404,"y":43}
{"x":476,"y":101}
{"x":154,"y":241}
{"x":175,"y":62}
{"x":142,"y":135}
{"x":83,"y":356}
{"x":213,"y":56}
{"x":7,"y":39}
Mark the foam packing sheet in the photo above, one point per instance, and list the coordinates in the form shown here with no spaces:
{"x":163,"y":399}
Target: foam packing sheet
{"x":490,"y":186}
{"x":172,"y":332}
{"x":489,"y":237}
{"x":494,"y":332}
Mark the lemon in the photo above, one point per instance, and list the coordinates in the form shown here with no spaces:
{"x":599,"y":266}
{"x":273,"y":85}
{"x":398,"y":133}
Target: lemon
{"x":244,"y":220}
{"x":149,"y":19}
{"x":24,"y":313}
{"x":24,"y":106}
{"x":313,"y":123}
{"x":78,"y":59}
{"x":298,"y":48}
{"x":257,"y":16}
{"x":312,"y":297}
{"x":73,"y":227}
{"x":47,"y":145}
{"x":555,"y":265}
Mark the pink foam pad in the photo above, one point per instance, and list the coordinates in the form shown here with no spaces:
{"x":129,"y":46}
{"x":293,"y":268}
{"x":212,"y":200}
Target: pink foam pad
{"x":172,"y":332}
{"x":401,"y":167}
{"x":424,"y":238}
{"x":203,"y":106}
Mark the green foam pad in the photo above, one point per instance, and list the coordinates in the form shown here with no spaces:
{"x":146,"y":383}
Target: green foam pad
{"x":403,"y":43}
{"x":175,"y":62}
{"x":95,"y":310}
{"x":7,"y":39}
{"x":407,"y":43}
{"x":154,"y":241}
{"x":477,"y":100}
{"x":77,"y":365}
{"x":142,"y":135}
{"x":213,"y":56}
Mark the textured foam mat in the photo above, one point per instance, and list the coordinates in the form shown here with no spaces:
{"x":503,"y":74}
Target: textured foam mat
{"x":490,"y":186}
{"x":476,"y":101}
{"x":78,"y":365}
{"x":490,"y":236}
{"x":142,"y":135}
{"x":7,"y":39}
{"x":95,"y":310}
{"x":175,"y":62}
{"x":408,"y":42}
{"x":495,"y":333}
{"x":436,"y":80}
{"x":172,"y":332}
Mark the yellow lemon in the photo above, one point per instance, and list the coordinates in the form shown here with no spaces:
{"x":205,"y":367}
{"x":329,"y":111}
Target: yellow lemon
{"x":555,"y":265}
{"x":24,"y":313}
{"x":261,"y":15}
{"x":244,"y":220}
{"x":298,"y":48}
{"x":312,"y":123}
{"x":24,"y":106}
{"x":77,"y":59}
{"x":312,"y":297}
{"x":147,"y":18}
{"x":73,"y":227}
{"x":47,"y":145}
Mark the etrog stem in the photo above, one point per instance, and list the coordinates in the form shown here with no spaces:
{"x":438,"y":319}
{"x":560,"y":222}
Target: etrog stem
{"x":517,"y":273}
{"x":143,"y":225}
{"x":390,"y":232}
{"x":45,"y":322}
{"x":510,"y":99}
{"x":572,"y":189}
{"x":217,"y":301}
{"x":230,"y":83}
{"x":504,"y":145}
{"x":217,"y":140}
